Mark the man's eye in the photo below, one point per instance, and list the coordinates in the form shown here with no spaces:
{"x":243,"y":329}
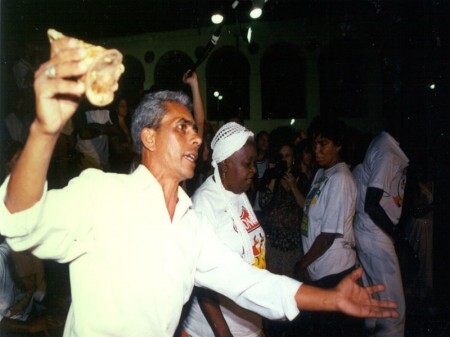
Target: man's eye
{"x":182,"y":126}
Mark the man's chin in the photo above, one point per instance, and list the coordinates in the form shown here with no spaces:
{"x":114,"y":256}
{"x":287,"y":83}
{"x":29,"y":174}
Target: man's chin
{"x":188,"y":175}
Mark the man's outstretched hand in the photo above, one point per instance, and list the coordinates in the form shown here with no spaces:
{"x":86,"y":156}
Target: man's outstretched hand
{"x":347,"y":297}
{"x":357,"y":301}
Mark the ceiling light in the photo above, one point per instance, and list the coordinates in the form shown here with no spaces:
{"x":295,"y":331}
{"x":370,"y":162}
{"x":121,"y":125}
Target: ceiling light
{"x":257,"y":8}
{"x":217,"y":18}
{"x":255,"y":13}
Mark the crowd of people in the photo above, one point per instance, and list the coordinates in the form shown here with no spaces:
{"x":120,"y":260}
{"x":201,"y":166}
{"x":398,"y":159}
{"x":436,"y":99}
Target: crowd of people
{"x":283,"y":222}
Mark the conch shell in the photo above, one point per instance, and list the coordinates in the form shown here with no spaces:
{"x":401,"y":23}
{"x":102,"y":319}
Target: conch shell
{"x":104,"y":70}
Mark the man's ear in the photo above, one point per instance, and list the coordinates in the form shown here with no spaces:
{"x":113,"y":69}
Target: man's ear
{"x":148,"y":139}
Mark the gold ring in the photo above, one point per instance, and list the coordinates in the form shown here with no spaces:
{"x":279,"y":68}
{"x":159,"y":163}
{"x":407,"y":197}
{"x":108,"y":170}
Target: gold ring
{"x":50,"y":72}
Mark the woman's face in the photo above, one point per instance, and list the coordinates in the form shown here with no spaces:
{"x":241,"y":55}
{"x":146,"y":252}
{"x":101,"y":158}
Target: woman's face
{"x":326,"y":152}
{"x":287,"y":154}
{"x":238,"y":169}
{"x":307,"y":158}
{"x":122,"y":108}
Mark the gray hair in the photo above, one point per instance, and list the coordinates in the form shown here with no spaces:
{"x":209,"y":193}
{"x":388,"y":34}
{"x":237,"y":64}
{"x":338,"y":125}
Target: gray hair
{"x":151,"y":110}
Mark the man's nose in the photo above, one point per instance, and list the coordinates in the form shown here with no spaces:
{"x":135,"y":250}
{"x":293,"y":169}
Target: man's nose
{"x":316,"y":148}
{"x":196,"y":139}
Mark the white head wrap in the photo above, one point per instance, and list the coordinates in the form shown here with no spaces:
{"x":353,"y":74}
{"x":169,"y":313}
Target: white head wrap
{"x":229,"y":139}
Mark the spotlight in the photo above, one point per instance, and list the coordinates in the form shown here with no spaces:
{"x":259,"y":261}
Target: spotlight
{"x":257,"y":8}
{"x":217,"y":18}
{"x":255,"y":13}
{"x":216,"y":94}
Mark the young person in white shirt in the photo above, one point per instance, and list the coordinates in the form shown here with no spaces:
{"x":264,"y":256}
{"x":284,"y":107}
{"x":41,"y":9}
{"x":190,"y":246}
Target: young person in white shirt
{"x":327,"y":225}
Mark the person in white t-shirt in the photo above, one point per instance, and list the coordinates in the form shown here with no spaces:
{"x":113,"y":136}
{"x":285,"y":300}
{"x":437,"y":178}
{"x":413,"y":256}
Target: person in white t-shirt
{"x":381,"y":180}
{"x":222,"y":199}
{"x":327,"y":225}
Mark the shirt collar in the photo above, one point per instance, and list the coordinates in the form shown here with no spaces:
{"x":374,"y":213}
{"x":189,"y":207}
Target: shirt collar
{"x":145,"y":179}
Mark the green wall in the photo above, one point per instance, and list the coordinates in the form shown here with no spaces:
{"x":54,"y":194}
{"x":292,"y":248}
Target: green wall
{"x":299,"y":32}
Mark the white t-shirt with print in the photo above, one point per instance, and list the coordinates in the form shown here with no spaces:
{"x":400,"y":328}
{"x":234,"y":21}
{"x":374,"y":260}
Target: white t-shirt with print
{"x":330,"y":207}
{"x":384,"y":167}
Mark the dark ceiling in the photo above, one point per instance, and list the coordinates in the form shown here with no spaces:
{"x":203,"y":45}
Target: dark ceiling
{"x":97,"y":19}
{"x":109,"y":18}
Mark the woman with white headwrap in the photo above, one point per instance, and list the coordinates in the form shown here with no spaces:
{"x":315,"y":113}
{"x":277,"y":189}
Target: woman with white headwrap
{"x":222,"y":199}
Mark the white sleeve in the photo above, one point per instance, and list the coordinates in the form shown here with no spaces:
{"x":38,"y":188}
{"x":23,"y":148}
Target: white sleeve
{"x":339,"y":204}
{"x":380,"y":170}
{"x":58,"y":226}
{"x":219,"y":269}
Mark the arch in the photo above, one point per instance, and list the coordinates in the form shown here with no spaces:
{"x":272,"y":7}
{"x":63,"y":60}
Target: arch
{"x":283,"y":82}
{"x":131,"y":83}
{"x":169,"y":71}
{"x":228,"y":72}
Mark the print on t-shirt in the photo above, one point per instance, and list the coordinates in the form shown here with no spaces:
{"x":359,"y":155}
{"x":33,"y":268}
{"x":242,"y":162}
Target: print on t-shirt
{"x":311,"y":199}
{"x":256,"y":234}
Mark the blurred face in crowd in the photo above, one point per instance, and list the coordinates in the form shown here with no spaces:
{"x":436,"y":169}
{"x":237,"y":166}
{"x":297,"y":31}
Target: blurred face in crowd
{"x":287,"y":154}
{"x":122,"y":108}
{"x":326,"y":152}
{"x":238,"y":169}
{"x":263,"y":142}
{"x":307,"y":157}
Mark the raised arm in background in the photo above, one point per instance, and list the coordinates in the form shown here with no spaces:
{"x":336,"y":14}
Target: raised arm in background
{"x":190,"y":78}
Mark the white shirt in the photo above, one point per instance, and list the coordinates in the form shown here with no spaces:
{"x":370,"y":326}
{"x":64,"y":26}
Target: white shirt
{"x":329,"y":208}
{"x":384,"y":167}
{"x":209,"y":201}
{"x":131,"y":267}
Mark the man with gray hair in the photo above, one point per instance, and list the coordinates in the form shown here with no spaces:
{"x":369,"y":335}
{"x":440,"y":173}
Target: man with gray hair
{"x":135,"y":246}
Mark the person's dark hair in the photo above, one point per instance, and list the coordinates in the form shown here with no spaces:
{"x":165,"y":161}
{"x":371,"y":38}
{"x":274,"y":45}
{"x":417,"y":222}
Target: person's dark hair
{"x":332,"y":129}
{"x":151,"y":110}
{"x":305,"y":146}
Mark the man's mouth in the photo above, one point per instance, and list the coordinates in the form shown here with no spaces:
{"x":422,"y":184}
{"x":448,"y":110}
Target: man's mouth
{"x":191,"y":157}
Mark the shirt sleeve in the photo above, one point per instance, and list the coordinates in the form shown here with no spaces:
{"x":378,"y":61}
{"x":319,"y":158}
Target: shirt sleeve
{"x":219,"y":269}
{"x":381,"y":174}
{"x":58,"y":226}
{"x":339,"y":204}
